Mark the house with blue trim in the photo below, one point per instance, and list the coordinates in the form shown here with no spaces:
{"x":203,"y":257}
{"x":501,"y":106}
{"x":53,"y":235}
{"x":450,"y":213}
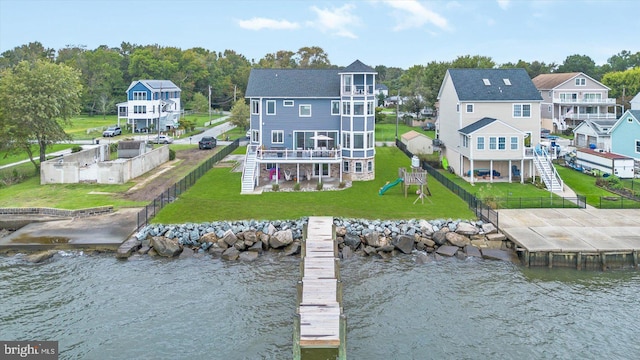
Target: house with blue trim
{"x":489,"y":127}
{"x":151,"y":103}
{"x":311,"y":124}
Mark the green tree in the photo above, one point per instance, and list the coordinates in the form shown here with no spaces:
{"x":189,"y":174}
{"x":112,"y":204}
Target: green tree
{"x":313,"y":57}
{"x":280,"y":60}
{"x":240,"y":114}
{"x":579,"y":63}
{"x":473,"y":62}
{"x":623,"y":83}
{"x":37,"y":99}
{"x":30,"y":52}
{"x":199,"y":104}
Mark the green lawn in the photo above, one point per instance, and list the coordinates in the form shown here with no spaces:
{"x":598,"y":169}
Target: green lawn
{"x":585,"y":185}
{"x":11,"y":158}
{"x":216,"y":196}
{"x":387,"y":132}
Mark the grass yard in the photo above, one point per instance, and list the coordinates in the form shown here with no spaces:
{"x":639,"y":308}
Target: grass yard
{"x":84,"y":127}
{"x":216,"y":196}
{"x":584,"y":184}
{"x":12,"y":158}
{"x":387,"y":132}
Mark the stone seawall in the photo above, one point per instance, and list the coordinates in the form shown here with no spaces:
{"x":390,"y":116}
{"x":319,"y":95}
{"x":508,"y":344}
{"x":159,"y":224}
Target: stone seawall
{"x":247,"y":240}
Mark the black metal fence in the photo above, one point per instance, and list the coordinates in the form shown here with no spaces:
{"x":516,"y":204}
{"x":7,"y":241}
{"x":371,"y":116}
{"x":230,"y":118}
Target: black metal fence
{"x":170,"y":194}
{"x":617,"y":202}
{"x":483,"y":211}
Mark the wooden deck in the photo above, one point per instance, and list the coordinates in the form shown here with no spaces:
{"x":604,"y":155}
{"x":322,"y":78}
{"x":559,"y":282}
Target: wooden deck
{"x":320,"y":310}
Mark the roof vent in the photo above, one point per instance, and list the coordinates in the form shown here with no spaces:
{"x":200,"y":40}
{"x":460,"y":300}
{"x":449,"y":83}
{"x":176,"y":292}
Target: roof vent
{"x":486,"y":82}
{"x":507,"y":81}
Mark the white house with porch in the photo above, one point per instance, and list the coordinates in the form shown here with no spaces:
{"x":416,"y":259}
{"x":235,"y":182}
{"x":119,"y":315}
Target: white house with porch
{"x":151,"y":103}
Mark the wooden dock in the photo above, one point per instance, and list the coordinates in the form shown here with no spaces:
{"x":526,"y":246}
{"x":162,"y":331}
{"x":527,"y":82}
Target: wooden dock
{"x":321,"y":323}
{"x":578,"y":238}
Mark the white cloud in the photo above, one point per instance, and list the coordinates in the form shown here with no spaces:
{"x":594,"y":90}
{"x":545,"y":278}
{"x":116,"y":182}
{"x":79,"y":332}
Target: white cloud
{"x":258,"y":23}
{"x":338,"y":21}
{"x":504,"y":4}
{"x":412,"y":14}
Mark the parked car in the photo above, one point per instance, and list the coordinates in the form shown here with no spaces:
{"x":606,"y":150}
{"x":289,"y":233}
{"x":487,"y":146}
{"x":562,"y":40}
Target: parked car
{"x":207,"y":142}
{"x":429,"y":126}
{"x":544,"y":133}
{"x":248,"y":134}
{"x":162,"y":139}
{"x":112,"y":131}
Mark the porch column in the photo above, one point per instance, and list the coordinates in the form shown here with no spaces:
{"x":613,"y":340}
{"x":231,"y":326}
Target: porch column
{"x":298,"y":172}
{"x":521,"y":171}
{"x":510,"y":171}
{"x":470,"y":172}
{"x":491,"y":171}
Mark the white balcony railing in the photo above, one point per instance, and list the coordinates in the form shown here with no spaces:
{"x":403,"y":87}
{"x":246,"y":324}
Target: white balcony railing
{"x":357,"y":90}
{"x":276,"y":155}
{"x":600,"y":116}
{"x":584,"y":101}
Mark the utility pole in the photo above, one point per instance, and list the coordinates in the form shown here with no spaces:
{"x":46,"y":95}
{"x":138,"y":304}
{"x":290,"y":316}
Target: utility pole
{"x":209,"y":104}
{"x":235,"y":89}
{"x":397,"y":113}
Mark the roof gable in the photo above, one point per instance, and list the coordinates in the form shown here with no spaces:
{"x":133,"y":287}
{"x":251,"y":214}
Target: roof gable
{"x":412,"y":134}
{"x":493,"y":85}
{"x":358,"y":67}
{"x":165,"y":85}
{"x":293,"y":83}
{"x":483,"y":123}
{"x":552,"y":81}
{"x":633,"y":114}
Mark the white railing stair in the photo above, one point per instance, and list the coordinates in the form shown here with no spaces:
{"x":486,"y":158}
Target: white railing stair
{"x":249,"y":172}
{"x":547,"y":171}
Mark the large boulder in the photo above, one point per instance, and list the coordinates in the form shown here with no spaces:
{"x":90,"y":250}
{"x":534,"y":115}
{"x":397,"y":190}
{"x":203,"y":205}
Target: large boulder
{"x":464,"y":228}
{"x":187,"y":252}
{"x":372,"y":239}
{"x":292,"y":249}
{"x":440,"y":236}
{"x":457,"y":239}
{"x":249,"y":256}
{"x":208,"y":237}
{"x":230,"y":237}
{"x":352,"y":241}
{"x":347,"y":253}
{"x":166,"y":247}
{"x":231,"y":254}
{"x":128,"y":247}
{"x":250,"y":236}
{"x":489,"y":228}
{"x":404,"y":243}
{"x":281,"y":239}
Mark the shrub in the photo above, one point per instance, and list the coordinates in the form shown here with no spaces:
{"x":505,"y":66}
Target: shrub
{"x":275,"y":187}
{"x":76,"y":148}
{"x":342,"y":184}
{"x":172,"y":154}
{"x":319,"y":186}
{"x":296,"y":186}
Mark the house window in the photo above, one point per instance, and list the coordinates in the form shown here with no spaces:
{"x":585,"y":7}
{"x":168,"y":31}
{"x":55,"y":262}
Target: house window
{"x":506,"y":82}
{"x":493,"y":144}
{"x":457,"y":107}
{"x":502,"y":143}
{"x":358,"y":141}
{"x":469,"y":108}
{"x":305,"y":110}
{"x":638,"y":146}
{"x":345,"y":166}
{"x":358,"y":108}
{"x":486,"y":82}
{"x":347,"y":84}
{"x":549,"y":108}
{"x":139,"y":109}
{"x":255,"y":107}
{"x":521,"y":110}
{"x":271,"y":107}
{"x":581,"y":81}
{"x":369,"y":166}
{"x":527,"y":140}
{"x":277,"y":137}
{"x":287,"y":103}
{"x":255,"y":136}
{"x":139,"y":95}
{"x":371,"y":108}
{"x":480,"y":144}
{"x":358,"y":166}
{"x":465,"y":141}
{"x":514,"y":143}
{"x":629,"y":120}
{"x":346,"y":140}
{"x":335,"y":107}
{"x":346,"y":108}
{"x":370,"y":140}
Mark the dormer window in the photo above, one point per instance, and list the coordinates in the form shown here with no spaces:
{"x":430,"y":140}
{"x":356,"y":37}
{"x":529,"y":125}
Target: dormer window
{"x":506,"y":81}
{"x":581,"y":82}
{"x":486,"y":82}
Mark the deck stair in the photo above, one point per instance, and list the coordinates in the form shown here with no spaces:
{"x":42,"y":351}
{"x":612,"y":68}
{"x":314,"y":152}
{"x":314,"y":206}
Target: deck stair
{"x":547,"y":171}
{"x":249,"y":172}
{"x":320,"y":323}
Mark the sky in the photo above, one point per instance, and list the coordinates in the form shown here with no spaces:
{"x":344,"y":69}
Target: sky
{"x":394,"y":33}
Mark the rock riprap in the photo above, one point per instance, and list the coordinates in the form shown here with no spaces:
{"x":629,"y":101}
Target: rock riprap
{"x":247,"y":240}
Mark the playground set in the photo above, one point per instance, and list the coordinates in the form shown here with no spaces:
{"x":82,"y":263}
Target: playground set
{"x":416,"y":176}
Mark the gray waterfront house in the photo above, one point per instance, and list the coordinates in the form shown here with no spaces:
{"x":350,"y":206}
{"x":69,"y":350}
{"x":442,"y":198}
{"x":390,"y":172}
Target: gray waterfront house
{"x":311,"y":124}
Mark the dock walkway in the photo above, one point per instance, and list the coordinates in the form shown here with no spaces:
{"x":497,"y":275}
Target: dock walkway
{"x":321,"y":321}
{"x":580,"y":238}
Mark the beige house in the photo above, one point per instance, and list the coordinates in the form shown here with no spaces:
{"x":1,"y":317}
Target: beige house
{"x":489,"y":126}
{"x":570,"y":98}
{"x":417,"y":143}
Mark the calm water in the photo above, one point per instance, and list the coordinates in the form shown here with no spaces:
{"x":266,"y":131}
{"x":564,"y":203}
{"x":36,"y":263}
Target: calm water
{"x":101,"y":308}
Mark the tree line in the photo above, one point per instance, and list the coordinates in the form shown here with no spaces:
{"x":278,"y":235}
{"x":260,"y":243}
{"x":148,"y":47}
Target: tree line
{"x":106,"y":72}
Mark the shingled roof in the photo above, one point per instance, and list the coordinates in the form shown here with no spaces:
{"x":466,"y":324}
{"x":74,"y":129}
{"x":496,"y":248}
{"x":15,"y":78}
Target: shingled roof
{"x":551,"y":81}
{"x":300,"y":83}
{"x":493,"y":85}
{"x":165,"y":85}
{"x":467,"y":130}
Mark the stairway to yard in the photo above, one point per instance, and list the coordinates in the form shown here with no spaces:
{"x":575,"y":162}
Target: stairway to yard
{"x":547,"y":171}
{"x":249,"y":173}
